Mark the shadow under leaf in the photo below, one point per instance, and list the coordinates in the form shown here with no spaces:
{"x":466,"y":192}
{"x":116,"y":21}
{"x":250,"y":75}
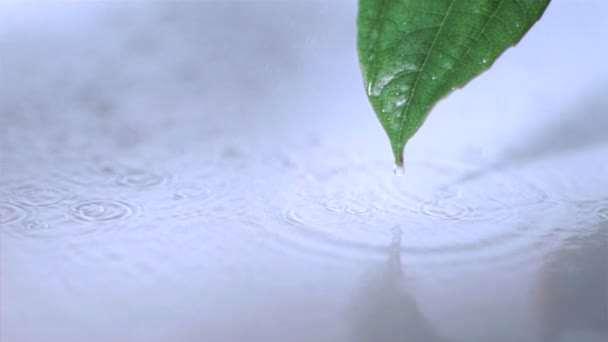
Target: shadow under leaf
{"x":581,"y":127}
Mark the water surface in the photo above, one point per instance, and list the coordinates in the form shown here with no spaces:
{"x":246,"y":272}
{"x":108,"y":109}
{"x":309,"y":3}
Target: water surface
{"x":212,"y":171}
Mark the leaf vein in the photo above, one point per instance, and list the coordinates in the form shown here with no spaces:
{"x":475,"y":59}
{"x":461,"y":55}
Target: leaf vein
{"x":424,"y":62}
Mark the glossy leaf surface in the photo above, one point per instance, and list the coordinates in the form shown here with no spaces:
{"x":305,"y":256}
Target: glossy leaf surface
{"x":415,"y":52}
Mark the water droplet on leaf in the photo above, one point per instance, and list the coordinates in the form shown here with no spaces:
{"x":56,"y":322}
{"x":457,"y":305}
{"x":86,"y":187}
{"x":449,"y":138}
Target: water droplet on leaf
{"x":398,"y":170}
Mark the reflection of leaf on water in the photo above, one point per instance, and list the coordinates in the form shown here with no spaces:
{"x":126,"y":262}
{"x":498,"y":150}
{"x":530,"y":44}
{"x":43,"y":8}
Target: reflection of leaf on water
{"x":384,"y":309}
{"x":413,"y":53}
{"x":572,"y":288}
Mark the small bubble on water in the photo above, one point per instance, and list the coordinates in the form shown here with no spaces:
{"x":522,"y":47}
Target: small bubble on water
{"x":398,"y":170}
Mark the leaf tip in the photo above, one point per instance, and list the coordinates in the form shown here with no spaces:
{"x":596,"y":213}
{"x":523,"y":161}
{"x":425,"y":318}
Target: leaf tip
{"x":398,"y":154}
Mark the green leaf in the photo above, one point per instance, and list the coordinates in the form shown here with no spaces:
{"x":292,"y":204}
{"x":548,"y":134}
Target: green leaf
{"x":415,"y":52}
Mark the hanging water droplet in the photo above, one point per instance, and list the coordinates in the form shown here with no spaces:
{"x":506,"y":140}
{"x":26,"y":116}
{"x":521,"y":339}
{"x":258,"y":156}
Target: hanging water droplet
{"x":434,"y":78}
{"x":398,"y":170}
{"x":484,"y":61}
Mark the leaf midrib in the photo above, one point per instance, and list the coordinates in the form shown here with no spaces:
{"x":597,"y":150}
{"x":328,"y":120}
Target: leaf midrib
{"x":422,"y":67}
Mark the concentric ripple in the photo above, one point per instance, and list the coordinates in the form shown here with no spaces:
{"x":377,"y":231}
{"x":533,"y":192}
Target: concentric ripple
{"x":110,"y":174}
{"x":594,"y":208}
{"x":141,"y":179}
{"x":440,"y":210}
{"x":448,"y":210}
{"x":602,"y":213}
{"x":316,"y":223}
{"x":36,"y":225}
{"x":11,"y":213}
{"x":511,"y":190}
{"x":193,"y":192}
{"x":332,"y":210}
{"x":102,"y":211}
{"x":96,"y":174}
{"x":37,"y":196}
{"x":306,"y":214}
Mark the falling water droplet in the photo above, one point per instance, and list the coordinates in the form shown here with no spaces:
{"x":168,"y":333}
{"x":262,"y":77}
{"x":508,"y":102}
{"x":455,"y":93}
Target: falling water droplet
{"x":398,"y":170}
